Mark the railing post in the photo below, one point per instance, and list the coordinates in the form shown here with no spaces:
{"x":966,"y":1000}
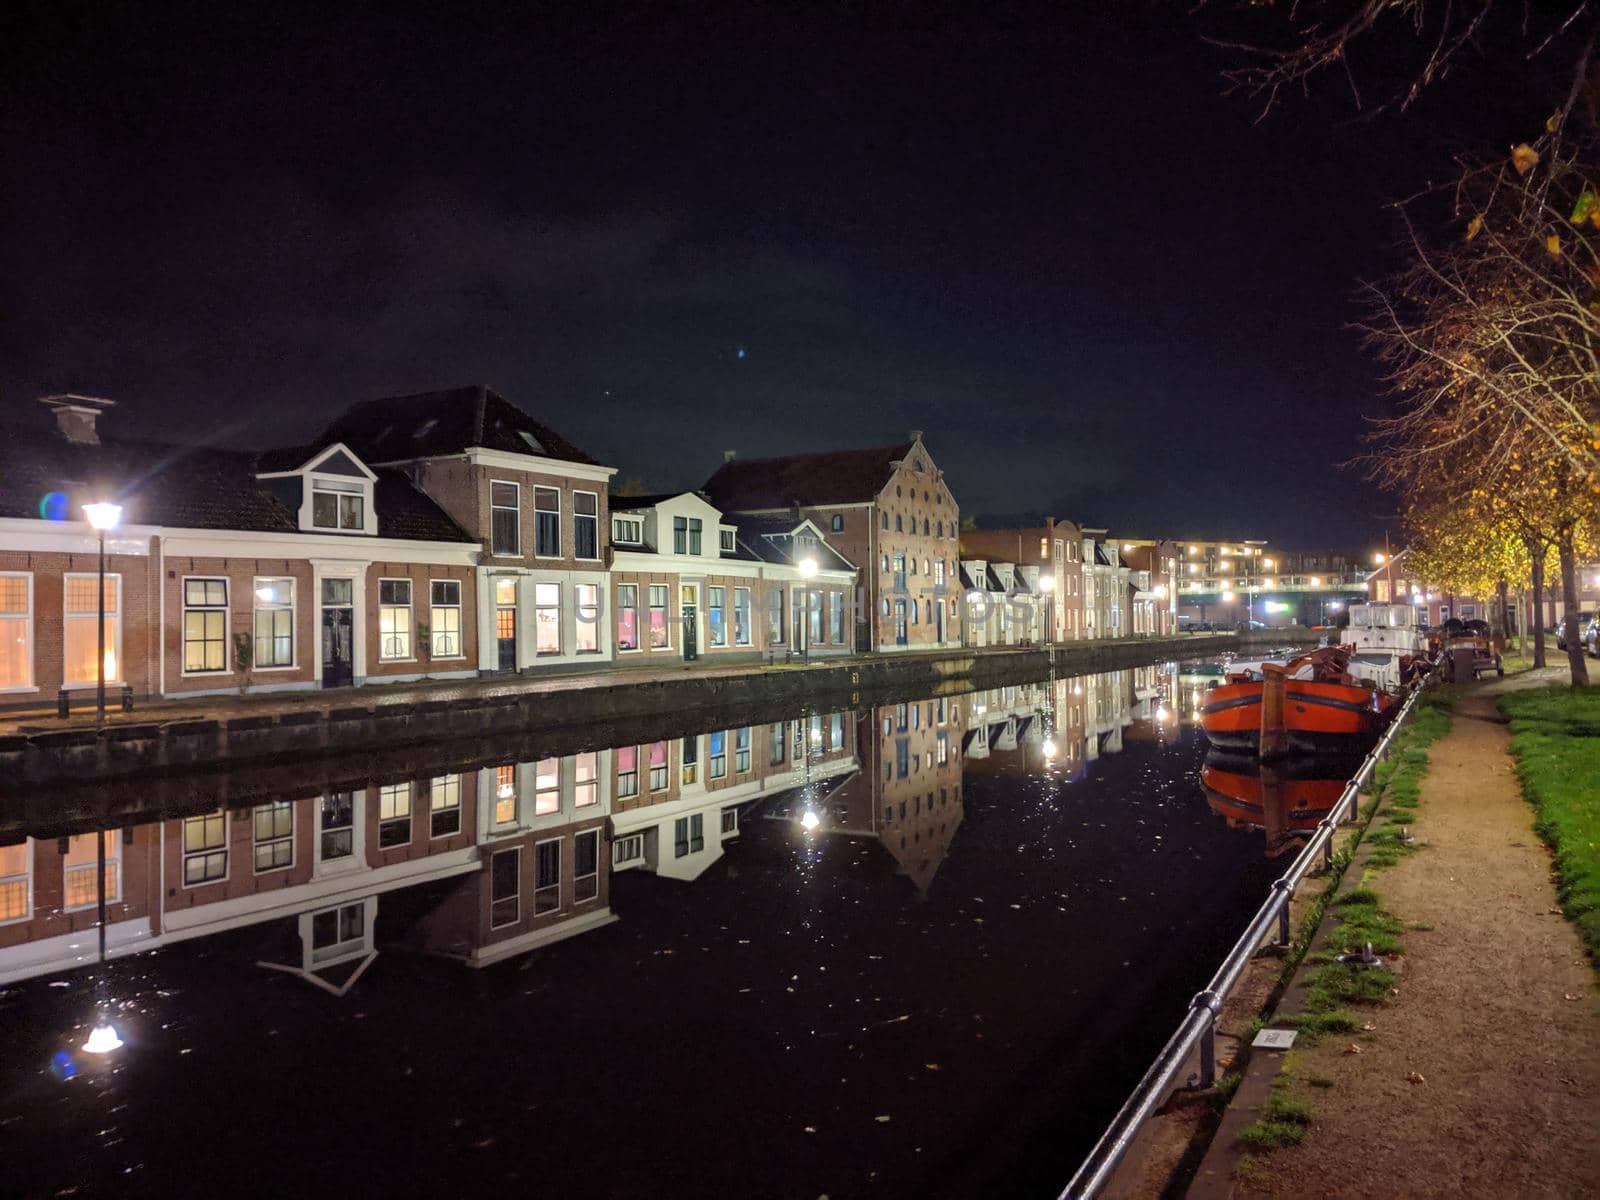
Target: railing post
{"x":1285,"y":886}
{"x":1212,"y":1003}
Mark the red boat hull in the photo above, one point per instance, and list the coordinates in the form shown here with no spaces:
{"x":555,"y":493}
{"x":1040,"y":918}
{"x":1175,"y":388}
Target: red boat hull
{"x":1317,"y":716}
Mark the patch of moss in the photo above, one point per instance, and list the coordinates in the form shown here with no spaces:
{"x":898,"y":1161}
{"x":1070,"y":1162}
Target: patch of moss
{"x":1319,"y":1081}
{"x":1338,"y":984}
{"x":1271,"y":1135}
{"x":1314,"y":1024}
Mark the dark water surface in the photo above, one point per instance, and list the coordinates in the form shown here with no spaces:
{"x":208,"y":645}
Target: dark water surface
{"x":832,"y":998}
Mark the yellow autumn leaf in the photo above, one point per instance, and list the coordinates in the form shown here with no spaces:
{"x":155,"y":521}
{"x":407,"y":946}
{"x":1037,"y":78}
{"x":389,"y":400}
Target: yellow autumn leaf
{"x":1473,"y":226}
{"x":1553,"y":244}
{"x":1524,"y":158}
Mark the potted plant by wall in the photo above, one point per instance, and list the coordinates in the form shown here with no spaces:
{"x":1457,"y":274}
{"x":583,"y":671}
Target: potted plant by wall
{"x":241,"y":658}
{"x":424,"y":645}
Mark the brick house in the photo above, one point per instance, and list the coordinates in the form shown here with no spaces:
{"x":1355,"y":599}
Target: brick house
{"x":1054,"y":547}
{"x":688,"y":582}
{"x":535,"y":503}
{"x":886,"y":509}
{"x":228,"y":570}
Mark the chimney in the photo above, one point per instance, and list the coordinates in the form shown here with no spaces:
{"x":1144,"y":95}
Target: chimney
{"x":76,"y":416}
{"x":729,"y":455}
{"x":916,"y":435}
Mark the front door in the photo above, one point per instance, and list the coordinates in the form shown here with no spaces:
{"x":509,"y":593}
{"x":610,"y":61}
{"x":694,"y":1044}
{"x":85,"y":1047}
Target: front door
{"x":689,"y":605}
{"x":505,"y":623}
{"x":338,"y":632}
{"x":899,"y":622}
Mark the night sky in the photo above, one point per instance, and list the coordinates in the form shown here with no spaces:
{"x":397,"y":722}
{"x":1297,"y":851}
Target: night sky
{"x":1046,"y":238}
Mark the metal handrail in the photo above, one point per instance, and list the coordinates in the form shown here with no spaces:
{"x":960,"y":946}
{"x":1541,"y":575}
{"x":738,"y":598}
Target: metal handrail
{"x":1199,"y":1024}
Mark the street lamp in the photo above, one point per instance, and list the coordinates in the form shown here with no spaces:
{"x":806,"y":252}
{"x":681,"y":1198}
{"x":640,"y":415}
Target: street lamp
{"x":808,"y":571}
{"x":102,"y":517}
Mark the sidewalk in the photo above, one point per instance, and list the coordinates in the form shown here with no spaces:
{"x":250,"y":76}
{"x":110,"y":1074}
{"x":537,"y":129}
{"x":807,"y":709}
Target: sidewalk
{"x":1480,"y":1074}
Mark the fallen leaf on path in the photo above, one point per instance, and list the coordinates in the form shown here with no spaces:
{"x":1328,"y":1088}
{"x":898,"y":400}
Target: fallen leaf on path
{"x":1415,"y":1077}
{"x":1569,"y":996}
{"x":1369,"y":1027}
{"x":1352,"y":1048}
{"x":882,"y":1119}
{"x":811,"y":1128}
{"x":931,"y":1066}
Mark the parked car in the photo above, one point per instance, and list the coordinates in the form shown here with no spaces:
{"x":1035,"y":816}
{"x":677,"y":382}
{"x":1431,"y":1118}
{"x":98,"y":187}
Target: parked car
{"x":1247,"y":626}
{"x":1591,"y":636}
{"x":1585,"y":619}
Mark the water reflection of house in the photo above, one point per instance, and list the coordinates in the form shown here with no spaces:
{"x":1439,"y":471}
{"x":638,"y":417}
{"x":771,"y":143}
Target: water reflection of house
{"x":678,"y":801}
{"x":526,"y":840}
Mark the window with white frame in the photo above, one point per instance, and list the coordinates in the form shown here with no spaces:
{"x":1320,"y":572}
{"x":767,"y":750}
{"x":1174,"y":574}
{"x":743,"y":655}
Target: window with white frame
{"x":627,"y":616}
{"x":835,"y":731}
{"x":337,"y":826}
{"x":775,"y":619}
{"x":586,"y":614}
{"x":629,"y":531}
{"x":505,"y":794}
{"x":586,"y":525}
{"x":394,"y":814}
{"x":547,"y":522}
{"x":444,"y":806}
{"x":658,"y":766}
{"x":547,"y":787}
{"x":205,"y":848}
{"x":505,"y":888}
{"x":547,"y":618}
{"x":776,"y":738}
{"x":624,"y":850}
{"x":719,"y":753}
{"x":205,"y":625}
{"x":586,"y":866}
{"x":336,"y":932}
{"x":727,"y":541}
{"x":691,"y":759}
{"x":79,"y":635}
{"x":337,"y":504}
{"x":273,"y":828}
{"x":688,"y":835}
{"x":741,"y":750}
{"x":716,"y":615}
{"x":836,"y":617}
{"x":546,"y":877}
{"x":627,"y":771}
{"x":16,"y":881}
{"x":394,"y":619}
{"x":505,"y":519}
{"x":730,"y":820}
{"x":274,"y":623}
{"x":659,"y":636}
{"x":585,"y":779}
{"x":741,"y":616}
{"x":16,"y":635}
{"x":444,"y":619}
{"x":82,"y":863}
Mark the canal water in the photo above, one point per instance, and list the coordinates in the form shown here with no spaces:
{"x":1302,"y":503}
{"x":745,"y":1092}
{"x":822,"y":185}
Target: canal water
{"x":918,"y":949}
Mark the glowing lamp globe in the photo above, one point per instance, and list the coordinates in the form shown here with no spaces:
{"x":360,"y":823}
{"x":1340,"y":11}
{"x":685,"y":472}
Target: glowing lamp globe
{"x":104,"y":515}
{"x":103,"y":1039}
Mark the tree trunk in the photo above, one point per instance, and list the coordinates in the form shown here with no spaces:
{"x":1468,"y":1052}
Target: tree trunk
{"x":1537,"y":606}
{"x":1569,"y":603}
{"x":1502,"y":625}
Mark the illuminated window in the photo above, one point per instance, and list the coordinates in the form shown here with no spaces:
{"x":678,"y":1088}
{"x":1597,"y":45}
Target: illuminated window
{"x":658,"y":766}
{"x":394,"y":814}
{"x":547,"y":786}
{"x":205,"y":625}
{"x":627,"y":616}
{"x":16,"y":633}
{"x":394,"y":619}
{"x":79,"y":636}
{"x":505,"y":794}
{"x":586,"y":866}
{"x":716,"y":622}
{"x":338,"y":826}
{"x":445,"y":618}
{"x":205,"y":848}
{"x":691,"y":758}
{"x":741,"y":616}
{"x":719,"y":754}
{"x":80,"y":865}
{"x":586,"y":611}
{"x":585,"y":779}
{"x":444,"y":806}
{"x":274,"y":622}
{"x":16,"y":881}
{"x":547,"y":618}
{"x":627,"y":771}
{"x":273,"y":828}
{"x":659,"y":637}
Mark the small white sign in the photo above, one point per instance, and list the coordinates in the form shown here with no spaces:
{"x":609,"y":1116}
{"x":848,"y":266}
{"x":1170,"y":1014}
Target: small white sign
{"x":1275,"y":1039}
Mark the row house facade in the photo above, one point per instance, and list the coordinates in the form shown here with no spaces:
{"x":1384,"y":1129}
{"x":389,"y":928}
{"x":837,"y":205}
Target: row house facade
{"x":1054,"y":550}
{"x":886,"y":509}
{"x":688,"y":582}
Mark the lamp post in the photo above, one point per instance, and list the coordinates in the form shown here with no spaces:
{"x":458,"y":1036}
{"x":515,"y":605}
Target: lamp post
{"x":808,"y":572}
{"x":102,"y":516}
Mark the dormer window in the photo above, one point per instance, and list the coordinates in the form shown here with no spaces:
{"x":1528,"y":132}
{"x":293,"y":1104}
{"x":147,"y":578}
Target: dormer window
{"x":338,"y":504}
{"x":727,"y":541}
{"x":628,"y":531}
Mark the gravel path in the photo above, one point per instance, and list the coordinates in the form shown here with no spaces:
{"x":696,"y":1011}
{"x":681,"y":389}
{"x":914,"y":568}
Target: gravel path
{"x":1498,"y":1011}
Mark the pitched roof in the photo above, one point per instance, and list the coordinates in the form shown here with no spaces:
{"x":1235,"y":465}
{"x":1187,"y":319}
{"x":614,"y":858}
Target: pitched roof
{"x":768,"y":538}
{"x":184,"y":487}
{"x":831,"y":477}
{"x":431,"y":424}
{"x":630,"y":504}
